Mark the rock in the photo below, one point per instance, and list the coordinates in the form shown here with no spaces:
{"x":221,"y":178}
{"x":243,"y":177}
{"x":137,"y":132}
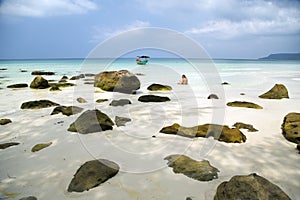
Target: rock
{"x":91,"y":174}
{"x":91,"y":121}
{"x":67,"y":110}
{"x":298,"y":147}
{"x":9,"y":144}
{"x":159,"y":87}
{"x":42,"y":73}
{"x":199,"y":170}
{"x":139,"y":74}
{"x":18,"y":85}
{"x":121,"y":121}
{"x":41,"y":146}
{"x":89,"y":82}
{"x":240,"y":125}
{"x":213,"y":96}
{"x":188,"y":198}
{"x":101,"y":100}
{"x":77,"y":77}
{"x":117,"y":81}
{"x":23,"y":70}
{"x":29,"y":198}
{"x":218,"y":132}
{"x":89,"y":74}
{"x":244,"y":104}
{"x":38,"y":104}
{"x":55,"y":88}
{"x":81,"y":100}
{"x":242,"y":93}
{"x":4,"y":121}
{"x":120,"y":102}
{"x":39,"y":83}
{"x":224,"y":83}
{"x":249,"y":187}
{"x":291,"y":127}
{"x":3,"y":69}
{"x":61,"y":84}
{"x":279,"y":91}
{"x":63,"y":79}
{"x":153,"y":98}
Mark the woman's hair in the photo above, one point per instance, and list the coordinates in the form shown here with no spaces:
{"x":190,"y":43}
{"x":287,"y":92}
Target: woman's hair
{"x":183,"y":76}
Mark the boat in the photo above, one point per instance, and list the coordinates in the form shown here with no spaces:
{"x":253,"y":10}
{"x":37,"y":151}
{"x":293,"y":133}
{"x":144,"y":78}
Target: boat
{"x":142,"y":60}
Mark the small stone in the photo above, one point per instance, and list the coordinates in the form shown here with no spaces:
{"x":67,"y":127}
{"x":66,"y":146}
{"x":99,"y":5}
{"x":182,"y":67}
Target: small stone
{"x":18,"y":85}
{"x":41,"y":146}
{"x":38,"y":104}
{"x":29,"y":198}
{"x":121,"y":102}
{"x":225,"y":83}
{"x":153,"y":98}
{"x":101,"y":100}
{"x":81,"y":100}
{"x":121,"y":121}
{"x":213,"y":96}
{"x":4,"y":121}
{"x":244,"y":104}
{"x":67,"y":110}
{"x":159,"y":87}
{"x":9,"y":144}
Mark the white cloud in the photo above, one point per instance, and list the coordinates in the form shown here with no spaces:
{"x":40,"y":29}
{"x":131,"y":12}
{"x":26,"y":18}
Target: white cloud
{"x":42,"y":8}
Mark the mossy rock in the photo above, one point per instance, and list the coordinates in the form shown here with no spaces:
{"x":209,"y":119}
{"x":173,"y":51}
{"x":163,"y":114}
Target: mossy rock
{"x":67,"y":110}
{"x":121,"y":121}
{"x":291,"y":127}
{"x":159,"y":87}
{"x":62,"y":84}
{"x":153,"y":98}
{"x":39,"y":83}
{"x":4,"y":121}
{"x":38,"y":104}
{"x":244,"y":104}
{"x":241,"y":125}
{"x":41,"y":146}
{"x":9,"y":144}
{"x":55,"y":88}
{"x":278,"y":91}
{"x":18,"y":85}
{"x":120,"y":102}
{"x":81,"y":100}
{"x":101,"y":100}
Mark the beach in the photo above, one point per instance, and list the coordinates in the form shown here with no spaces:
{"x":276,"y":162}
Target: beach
{"x":139,"y":148}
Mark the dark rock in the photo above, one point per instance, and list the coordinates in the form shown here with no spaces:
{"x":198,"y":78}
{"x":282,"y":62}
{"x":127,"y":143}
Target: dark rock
{"x":67,"y":110}
{"x":18,"y":85}
{"x":121,"y":121}
{"x":91,"y":174}
{"x":224,"y":83}
{"x":159,"y":87}
{"x":89,"y":74}
{"x":39,"y":83}
{"x":9,"y":144}
{"x":38,"y":104}
{"x":218,"y":132}
{"x":213,"y":96}
{"x":188,"y":198}
{"x":249,"y":187}
{"x":120,"y":102}
{"x":55,"y":88}
{"x":242,"y":93}
{"x":4,"y":121}
{"x":244,"y":104}
{"x":153,"y":98}
{"x":89,"y":83}
{"x":61,"y":84}
{"x":2,"y":69}
{"x":117,"y":81}
{"x":199,"y":170}
{"x":77,"y":77}
{"x":241,"y":125}
{"x":291,"y":127}
{"x":29,"y":198}
{"x":91,"y":121}
{"x":101,"y":100}
{"x":42,"y":73}
{"x":139,"y":74}
{"x":41,"y":146}
{"x":23,"y":70}
{"x":81,"y":100}
{"x":279,"y":91}
{"x":298,"y":147}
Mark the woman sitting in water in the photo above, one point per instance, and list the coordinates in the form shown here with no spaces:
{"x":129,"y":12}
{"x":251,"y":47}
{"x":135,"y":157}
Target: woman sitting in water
{"x":184,"y":80}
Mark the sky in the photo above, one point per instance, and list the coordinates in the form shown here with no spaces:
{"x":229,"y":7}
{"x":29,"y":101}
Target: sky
{"x":241,"y":29}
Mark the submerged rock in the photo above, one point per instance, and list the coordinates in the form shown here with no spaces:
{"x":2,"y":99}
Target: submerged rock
{"x":9,"y":144}
{"x":121,"y":121}
{"x":121,"y":102}
{"x":39,"y":83}
{"x":41,"y":146}
{"x":291,"y":127}
{"x":91,"y":174}
{"x":241,"y":125}
{"x":18,"y":85}
{"x":244,"y":104}
{"x":42,"y":73}
{"x":67,"y":110}
{"x":4,"y":121}
{"x":218,"y":132}
{"x":153,"y":98}
{"x":91,"y":121}
{"x":81,"y":100}
{"x":38,"y":104}
{"x":213,"y":96}
{"x":199,"y":170}
{"x":159,"y":87}
{"x":278,"y":91}
{"x":117,"y":81}
{"x":249,"y":187}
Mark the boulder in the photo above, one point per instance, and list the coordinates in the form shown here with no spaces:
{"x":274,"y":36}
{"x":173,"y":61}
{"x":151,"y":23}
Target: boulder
{"x":117,"y":81}
{"x":120,"y":102}
{"x":18,"y":85}
{"x":4,"y":121}
{"x":291,"y":127}
{"x":218,"y":132}
{"x":121,"y":121}
{"x":67,"y":110}
{"x":42,"y":73}
{"x":29,"y":198}
{"x":278,"y":91}
{"x":159,"y":87}
{"x":38,"y":104}
{"x":81,"y":100}
{"x":91,"y":174}
{"x":198,"y":170}
{"x":249,"y":187}
{"x":39,"y":83}
{"x":244,"y":104}
{"x":213,"y":96}
{"x":240,"y":125}
{"x":153,"y":98}
{"x":91,"y":121}
{"x":9,"y":144}
{"x":41,"y":146}
{"x":101,"y":100}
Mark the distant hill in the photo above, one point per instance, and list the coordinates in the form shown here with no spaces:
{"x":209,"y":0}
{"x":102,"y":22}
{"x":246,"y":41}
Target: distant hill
{"x":282,"y":56}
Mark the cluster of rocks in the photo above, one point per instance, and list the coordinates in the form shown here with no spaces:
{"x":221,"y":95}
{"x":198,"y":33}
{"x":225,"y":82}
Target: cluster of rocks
{"x":291,"y":128}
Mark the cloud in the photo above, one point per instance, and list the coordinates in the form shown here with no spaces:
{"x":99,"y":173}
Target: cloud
{"x":42,"y":8}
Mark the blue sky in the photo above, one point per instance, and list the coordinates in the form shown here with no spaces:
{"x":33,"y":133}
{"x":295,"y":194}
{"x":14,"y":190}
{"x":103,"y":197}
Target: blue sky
{"x":72,"y":28}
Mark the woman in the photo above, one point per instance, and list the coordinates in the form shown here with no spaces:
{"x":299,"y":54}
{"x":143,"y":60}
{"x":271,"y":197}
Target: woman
{"x":184,"y":80}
